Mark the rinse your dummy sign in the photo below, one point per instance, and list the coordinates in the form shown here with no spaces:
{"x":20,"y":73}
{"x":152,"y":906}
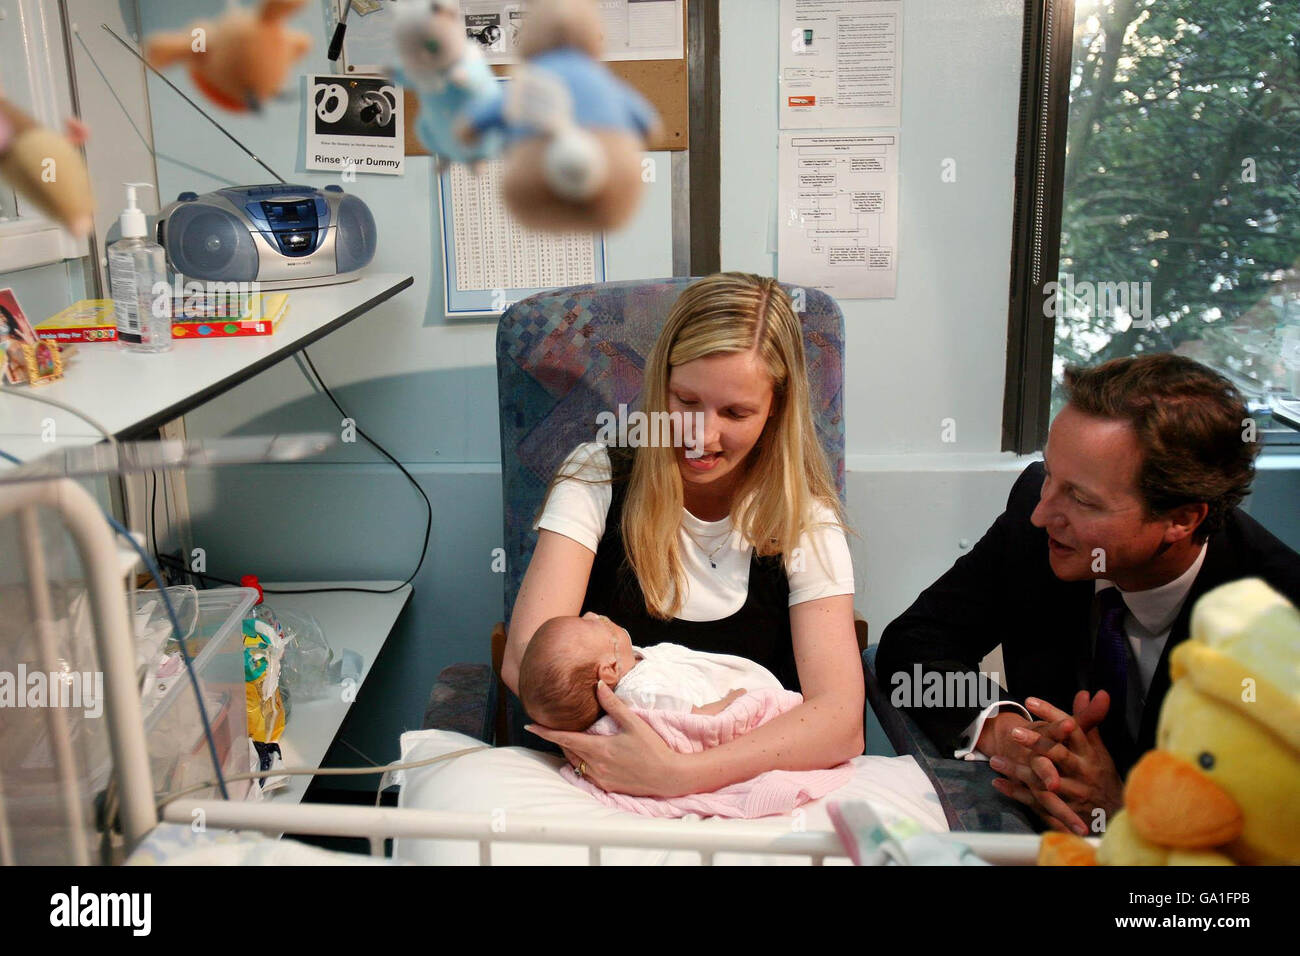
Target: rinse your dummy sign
{"x":355,"y":124}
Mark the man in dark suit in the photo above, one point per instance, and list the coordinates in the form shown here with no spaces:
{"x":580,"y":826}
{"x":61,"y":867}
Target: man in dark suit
{"x":1087,"y":581}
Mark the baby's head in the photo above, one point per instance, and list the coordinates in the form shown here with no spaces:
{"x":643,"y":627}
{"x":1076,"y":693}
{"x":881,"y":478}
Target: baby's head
{"x":562,"y":664}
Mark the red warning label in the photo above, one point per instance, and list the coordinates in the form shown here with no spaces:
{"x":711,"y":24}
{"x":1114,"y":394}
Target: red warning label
{"x":802,"y":100}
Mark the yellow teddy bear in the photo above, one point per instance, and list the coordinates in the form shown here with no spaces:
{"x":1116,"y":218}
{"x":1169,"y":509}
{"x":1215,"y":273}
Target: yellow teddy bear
{"x":1223,"y":784}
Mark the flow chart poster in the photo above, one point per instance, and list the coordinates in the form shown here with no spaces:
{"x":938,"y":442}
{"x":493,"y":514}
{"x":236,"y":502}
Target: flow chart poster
{"x":355,"y":124}
{"x":839,"y":214}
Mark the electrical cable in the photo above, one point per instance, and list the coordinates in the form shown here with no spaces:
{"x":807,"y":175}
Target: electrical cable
{"x":320,"y":772}
{"x":89,"y":420}
{"x":181,"y":637}
{"x":181,"y":640}
{"x":139,"y":56}
{"x":112,"y":797}
{"x":428,"y":524}
{"x":152,"y":522}
{"x":158,"y":577}
{"x":46,"y":400}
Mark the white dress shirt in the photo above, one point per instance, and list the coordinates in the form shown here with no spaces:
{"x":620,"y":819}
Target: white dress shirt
{"x":1148,"y":619}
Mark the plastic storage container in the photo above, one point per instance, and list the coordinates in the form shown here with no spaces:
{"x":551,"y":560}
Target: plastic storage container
{"x":178,"y":750}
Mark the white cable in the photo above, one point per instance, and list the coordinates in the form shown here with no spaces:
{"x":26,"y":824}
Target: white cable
{"x":46,"y":400}
{"x":317,"y":771}
{"x":93,"y":423}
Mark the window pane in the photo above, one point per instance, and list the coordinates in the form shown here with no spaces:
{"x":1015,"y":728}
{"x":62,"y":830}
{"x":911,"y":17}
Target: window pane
{"x":1180,"y":226}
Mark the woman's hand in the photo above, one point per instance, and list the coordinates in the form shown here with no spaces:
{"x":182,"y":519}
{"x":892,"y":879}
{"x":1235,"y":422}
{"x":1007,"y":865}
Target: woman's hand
{"x":635,"y":761}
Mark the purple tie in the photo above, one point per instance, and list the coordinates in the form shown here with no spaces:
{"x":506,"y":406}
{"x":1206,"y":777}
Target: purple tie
{"x":1110,"y":663}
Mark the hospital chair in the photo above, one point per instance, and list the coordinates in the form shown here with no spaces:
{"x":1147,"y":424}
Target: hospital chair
{"x":562,"y":357}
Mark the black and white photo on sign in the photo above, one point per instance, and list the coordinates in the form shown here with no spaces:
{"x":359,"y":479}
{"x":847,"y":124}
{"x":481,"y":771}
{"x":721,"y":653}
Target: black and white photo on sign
{"x":355,"y":123}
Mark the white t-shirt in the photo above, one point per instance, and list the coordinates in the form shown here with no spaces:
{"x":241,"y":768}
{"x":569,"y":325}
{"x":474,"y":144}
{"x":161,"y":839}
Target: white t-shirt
{"x":672,"y":677}
{"x":577,"y":509}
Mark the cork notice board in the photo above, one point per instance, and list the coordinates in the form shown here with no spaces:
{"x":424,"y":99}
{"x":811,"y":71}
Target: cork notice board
{"x":665,"y":83}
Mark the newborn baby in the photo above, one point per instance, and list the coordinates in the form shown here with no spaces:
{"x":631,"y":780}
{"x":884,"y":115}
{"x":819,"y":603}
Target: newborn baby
{"x":568,"y":656}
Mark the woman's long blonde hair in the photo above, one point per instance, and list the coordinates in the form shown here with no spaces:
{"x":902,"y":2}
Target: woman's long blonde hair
{"x":785,"y":473}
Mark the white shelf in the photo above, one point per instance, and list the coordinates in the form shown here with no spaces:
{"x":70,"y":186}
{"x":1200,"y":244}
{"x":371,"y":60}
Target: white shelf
{"x":133,"y":394}
{"x":357,"y":622}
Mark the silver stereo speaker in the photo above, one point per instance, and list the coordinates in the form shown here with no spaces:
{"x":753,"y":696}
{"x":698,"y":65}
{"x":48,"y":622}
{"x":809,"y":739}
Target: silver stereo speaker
{"x":280,"y":236}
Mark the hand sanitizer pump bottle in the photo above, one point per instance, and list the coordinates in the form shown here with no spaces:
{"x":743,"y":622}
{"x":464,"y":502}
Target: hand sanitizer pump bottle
{"x":137,"y":278}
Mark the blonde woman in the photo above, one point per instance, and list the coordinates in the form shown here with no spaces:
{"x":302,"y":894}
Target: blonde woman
{"x":741,"y":551}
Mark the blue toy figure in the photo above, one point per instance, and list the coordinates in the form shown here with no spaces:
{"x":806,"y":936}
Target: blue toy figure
{"x":575,"y":134}
{"x":449,"y":75}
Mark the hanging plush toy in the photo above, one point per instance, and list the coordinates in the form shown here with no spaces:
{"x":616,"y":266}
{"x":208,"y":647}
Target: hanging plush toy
{"x":239,"y":61}
{"x":448,"y":73}
{"x":47,"y":168}
{"x":1223,"y":784}
{"x":575,"y":133}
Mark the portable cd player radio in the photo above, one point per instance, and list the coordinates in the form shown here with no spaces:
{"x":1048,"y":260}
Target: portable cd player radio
{"x":280,"y":236}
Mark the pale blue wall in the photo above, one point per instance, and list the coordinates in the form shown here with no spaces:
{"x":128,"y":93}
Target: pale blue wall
{"x":422,"y":385}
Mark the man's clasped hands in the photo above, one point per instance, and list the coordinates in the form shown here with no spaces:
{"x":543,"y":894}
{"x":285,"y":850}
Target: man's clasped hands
{"x":1056,"y":765}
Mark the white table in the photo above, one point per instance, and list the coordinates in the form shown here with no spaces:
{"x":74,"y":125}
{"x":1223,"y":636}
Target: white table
{"x":358,"y":622}
{"x":133,"y":394}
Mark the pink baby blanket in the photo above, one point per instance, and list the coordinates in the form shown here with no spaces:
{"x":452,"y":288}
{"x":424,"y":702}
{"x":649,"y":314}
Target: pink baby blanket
{"x":773,"y":792}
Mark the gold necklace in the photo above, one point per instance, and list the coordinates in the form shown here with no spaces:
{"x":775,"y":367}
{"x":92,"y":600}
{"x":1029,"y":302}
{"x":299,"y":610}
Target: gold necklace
{"x":713,"y":564}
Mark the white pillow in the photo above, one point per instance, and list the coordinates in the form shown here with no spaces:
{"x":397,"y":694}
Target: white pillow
{"x":505,"y":780}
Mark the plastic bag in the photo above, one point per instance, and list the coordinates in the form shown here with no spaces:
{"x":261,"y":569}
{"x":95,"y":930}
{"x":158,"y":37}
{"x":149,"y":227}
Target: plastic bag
{"x":263,"y":656}
{"x":309,"y":669}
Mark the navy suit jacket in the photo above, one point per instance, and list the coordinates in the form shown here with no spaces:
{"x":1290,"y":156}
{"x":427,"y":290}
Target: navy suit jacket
{"x":1003,"y":592}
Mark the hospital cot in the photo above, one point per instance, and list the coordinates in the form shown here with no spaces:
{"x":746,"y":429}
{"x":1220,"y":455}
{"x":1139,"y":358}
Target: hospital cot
{"x":113,"y":640}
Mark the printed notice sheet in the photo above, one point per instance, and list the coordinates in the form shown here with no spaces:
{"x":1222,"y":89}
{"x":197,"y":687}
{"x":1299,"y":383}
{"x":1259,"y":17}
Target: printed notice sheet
{"x":354,"y":124}
{"x":633,"y":29}
{"x":841,"y":63}
{"x":490,"y":261}
{"x":838,"y":230}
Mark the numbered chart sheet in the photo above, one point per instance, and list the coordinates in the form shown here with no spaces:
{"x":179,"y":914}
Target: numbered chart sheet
{"x":841,"y":63}
{"x":490,"y":260}
{"x":838,"y":230}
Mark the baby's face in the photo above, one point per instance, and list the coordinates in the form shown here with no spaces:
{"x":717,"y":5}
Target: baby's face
{"x":598,"y":637}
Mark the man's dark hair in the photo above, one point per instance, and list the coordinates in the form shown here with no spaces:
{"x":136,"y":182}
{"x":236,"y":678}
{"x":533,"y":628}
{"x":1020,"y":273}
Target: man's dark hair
{"x":1191,"y":425}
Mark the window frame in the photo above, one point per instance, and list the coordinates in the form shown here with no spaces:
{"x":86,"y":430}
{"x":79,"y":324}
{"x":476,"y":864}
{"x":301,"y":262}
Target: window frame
{"x":1036,"y":223}
{"x":1036,"y":230}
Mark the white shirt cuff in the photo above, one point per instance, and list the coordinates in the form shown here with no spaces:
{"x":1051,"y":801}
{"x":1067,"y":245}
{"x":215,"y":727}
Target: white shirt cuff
{"x":972,"y":733}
